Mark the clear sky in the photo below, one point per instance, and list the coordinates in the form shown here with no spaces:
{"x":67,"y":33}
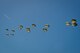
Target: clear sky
{"x":58,"y":39}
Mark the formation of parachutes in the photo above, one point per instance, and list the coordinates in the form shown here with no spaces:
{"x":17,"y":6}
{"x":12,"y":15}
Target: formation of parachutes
{"x":28,"y":29}
{"x":72,"y":23}
{"x":45,"y":28}
{"x":10,"y":32}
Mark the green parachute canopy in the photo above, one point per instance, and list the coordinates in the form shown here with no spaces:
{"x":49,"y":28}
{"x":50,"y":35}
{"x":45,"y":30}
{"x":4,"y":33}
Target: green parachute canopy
{"x":20,"y":27}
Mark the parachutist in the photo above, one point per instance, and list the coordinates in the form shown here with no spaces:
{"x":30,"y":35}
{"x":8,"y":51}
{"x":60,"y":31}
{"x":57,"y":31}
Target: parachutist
{"x":68,"y":24}
{"x":28,"y":29}
{"x":47,"y":26}
{"x":73,"y":21}
{"x":74,"y":24}
{"x":13,"y":30}
{"x":7,"y":29}
{"x":7,"y":34}
{"x":33,"y":25}
{"x":45,"y":29}
{"x":12,"y":34}
{"x":20,"y":27}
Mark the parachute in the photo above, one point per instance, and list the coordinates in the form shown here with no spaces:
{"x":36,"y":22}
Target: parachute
{"x":28,"y":29}
{"x":13,"y":30}
{"x":47,"y":26}
{"x":33,"y":25}
{"x":7,"y":29}
{"x":74,"y":24}
{"x":20,"y":27}
{"x":7,"y":34}
{"x":67,"y":23}
{"x":12,"y":34}
{"x":73,"y":21}
{"x":45,"y":29}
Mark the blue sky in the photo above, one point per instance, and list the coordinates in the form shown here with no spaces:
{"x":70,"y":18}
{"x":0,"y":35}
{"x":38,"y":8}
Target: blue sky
{"x":58,"y":39}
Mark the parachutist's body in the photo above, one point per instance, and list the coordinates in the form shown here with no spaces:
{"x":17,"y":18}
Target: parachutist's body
{"x":28,"y":29}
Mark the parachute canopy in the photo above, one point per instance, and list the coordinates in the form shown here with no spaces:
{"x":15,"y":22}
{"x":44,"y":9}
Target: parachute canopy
{"x":20,"y":27}
{"x":7,"y":29}
{"x":33,"y":25}
{"x":7,"y":34}
{"x":45,"y":29}
{"x":12,"y":34}
{"x":28,"y":29}
{"x":47,"y":26}
{"x":13,"y":30}
{"x":73,"y":21}
{"x":67,"y":23}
